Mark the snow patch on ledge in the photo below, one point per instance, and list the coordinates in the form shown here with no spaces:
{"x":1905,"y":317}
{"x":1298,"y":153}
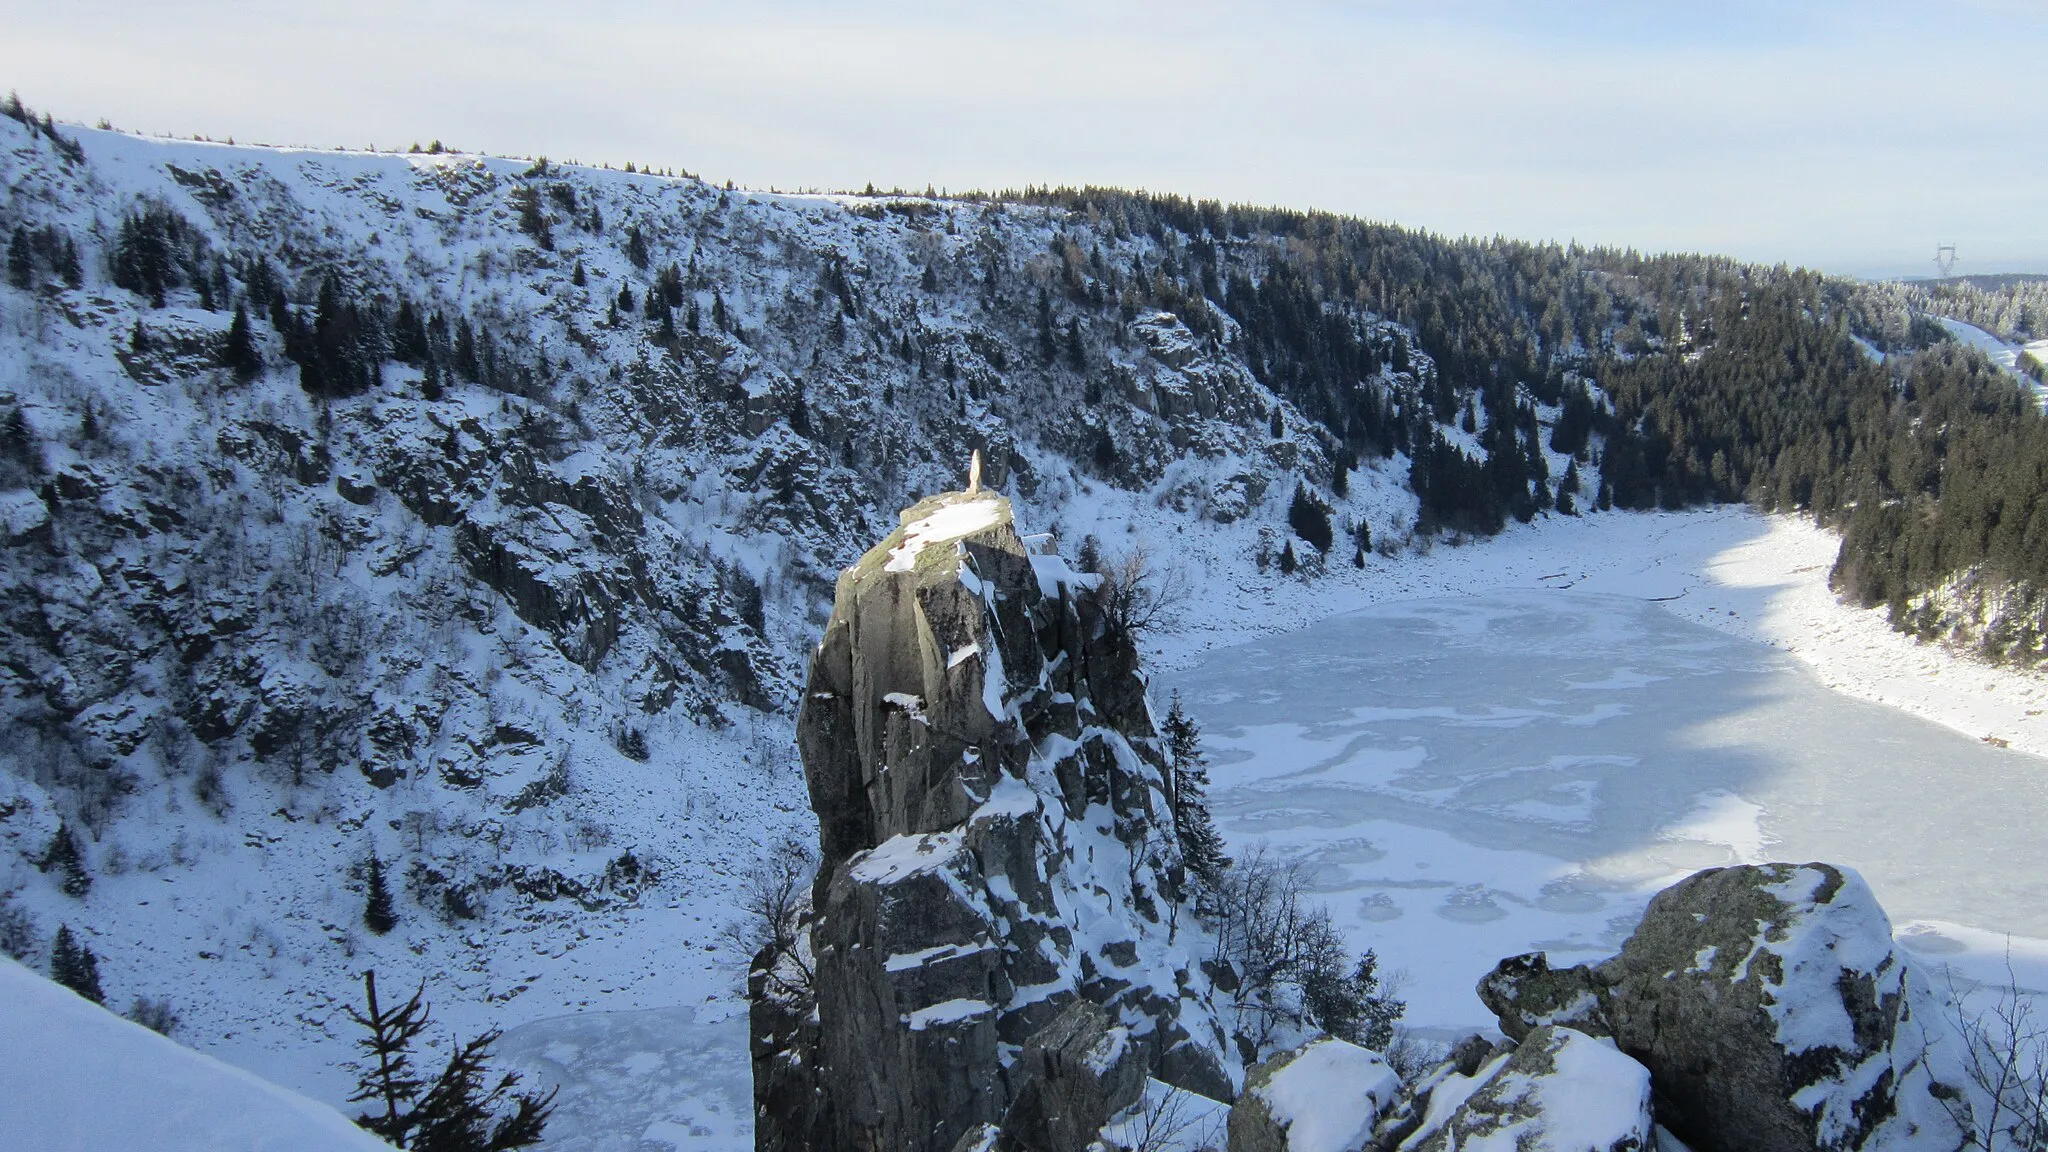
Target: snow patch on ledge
{"x":950,"y":1012}
{"x":906,"y":855}
{"x":949,"y":523}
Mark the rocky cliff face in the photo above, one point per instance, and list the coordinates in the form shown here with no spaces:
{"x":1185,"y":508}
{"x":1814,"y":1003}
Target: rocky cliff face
{"x":998,"y":949}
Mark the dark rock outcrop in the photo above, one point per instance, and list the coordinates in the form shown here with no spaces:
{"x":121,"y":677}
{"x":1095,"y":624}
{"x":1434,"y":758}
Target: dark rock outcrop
{"x":991,"y":947}
{"x":1076,"y":1073}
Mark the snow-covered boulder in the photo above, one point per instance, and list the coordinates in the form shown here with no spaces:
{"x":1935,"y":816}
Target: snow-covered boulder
{"x":1559,"y":1091}
{"x":1770,"y":1005}
{"x":997,"y":938}
{"x":79,"y":1078}
{"x":1325,"y":1096}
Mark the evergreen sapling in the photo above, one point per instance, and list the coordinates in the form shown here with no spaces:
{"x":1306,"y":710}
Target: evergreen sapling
{"x":378,"y":914}
{"x":1201,"y":846}
{"x":73,"y":965}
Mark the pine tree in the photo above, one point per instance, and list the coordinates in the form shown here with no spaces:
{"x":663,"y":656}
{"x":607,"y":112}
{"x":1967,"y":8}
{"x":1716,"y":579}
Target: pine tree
{"x":1089,"y":558}
{"x":21,"y":266}
{"x":387,"y":1077}
{"x":62,"y":855}
{"x":1288,"y":563}
{"x":378,"y":914}
{"x":1201,"y":846}
{"x":238,"y":353}
{"x":68,"y":266}
{"x":459,"y":1111}
{"x":532,"y":220}
{"x":73,"y":965}
{"x":1310,"y":519}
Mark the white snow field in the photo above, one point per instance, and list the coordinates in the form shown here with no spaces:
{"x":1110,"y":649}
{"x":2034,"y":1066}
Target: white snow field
{"x":1503,"y":755}
{"x":2006,"y":356}
{"x":74,"y":1077}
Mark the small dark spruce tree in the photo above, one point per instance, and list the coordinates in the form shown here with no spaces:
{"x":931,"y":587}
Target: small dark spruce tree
{"x":1310,"y":519}
{"x":238,"y":352}
{"x":457,"y":1111}
{"x":1201,"y":846}
{"x":378,"y":914}
{"x":62,"y":857}
{"x":73,"y":965}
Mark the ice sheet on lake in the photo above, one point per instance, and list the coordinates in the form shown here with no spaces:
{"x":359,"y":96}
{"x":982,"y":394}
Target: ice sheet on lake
{"x":659,"y":1080}
{"x":1481,"y":776}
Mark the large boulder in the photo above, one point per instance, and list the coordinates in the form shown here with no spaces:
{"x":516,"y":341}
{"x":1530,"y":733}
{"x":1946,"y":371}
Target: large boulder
{"x":1770,"y":1006}
{"x":995,"y":938}
{"x":1558,"y":1091}
{"x":1325,"y":1096}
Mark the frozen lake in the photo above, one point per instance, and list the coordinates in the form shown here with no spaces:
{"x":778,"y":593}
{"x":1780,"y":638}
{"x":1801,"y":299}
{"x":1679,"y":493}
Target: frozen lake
{"x":1481,"y":776}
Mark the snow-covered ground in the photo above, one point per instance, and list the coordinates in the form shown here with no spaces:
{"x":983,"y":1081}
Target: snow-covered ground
{"x":76,"y":1077}
{"x":2006,"y":356}
{"x":1511,"y":746}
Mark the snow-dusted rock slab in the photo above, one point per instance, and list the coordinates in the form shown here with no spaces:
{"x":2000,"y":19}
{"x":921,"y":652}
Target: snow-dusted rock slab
{"x":1560,"y":1091}
{"x":1325,"y":1096}
{"x":1077,"y":1073}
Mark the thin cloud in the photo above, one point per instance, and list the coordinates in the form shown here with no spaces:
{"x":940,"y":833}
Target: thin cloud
{"x":1849,"y":135}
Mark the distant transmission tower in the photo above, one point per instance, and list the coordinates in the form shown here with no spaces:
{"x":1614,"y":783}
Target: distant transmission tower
{"x":1945,"y":259}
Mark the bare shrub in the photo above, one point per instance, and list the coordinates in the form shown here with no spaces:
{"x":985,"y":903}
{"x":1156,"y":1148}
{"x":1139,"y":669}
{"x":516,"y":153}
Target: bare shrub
{"x":1135,"y":595}
{"x":775,"y":899}
{"x":1291,"y":964}
{"x":1171,"y":1121}
{"x":19,"y":936}
{"x":2005,"y":1056}
{"x":155,"y":1015}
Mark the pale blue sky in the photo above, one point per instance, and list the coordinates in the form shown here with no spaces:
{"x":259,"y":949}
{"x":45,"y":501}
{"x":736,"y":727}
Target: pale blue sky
{"x":1855,"y":136}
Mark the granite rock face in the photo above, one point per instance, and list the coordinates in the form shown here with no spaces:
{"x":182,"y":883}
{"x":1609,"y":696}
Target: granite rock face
{"x":995,"y":851}
{"x":1770,"y":1006}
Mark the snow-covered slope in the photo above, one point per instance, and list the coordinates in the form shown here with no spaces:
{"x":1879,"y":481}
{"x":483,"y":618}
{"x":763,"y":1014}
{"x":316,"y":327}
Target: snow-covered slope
{"x":80,"y":1078}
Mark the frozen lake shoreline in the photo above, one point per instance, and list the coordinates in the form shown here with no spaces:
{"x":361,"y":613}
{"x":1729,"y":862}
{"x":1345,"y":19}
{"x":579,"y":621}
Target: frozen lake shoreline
{"x":1478,"y":776}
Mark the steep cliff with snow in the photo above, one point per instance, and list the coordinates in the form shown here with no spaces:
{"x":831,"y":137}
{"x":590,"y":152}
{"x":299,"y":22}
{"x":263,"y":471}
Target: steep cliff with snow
{"x":997,"y":847}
